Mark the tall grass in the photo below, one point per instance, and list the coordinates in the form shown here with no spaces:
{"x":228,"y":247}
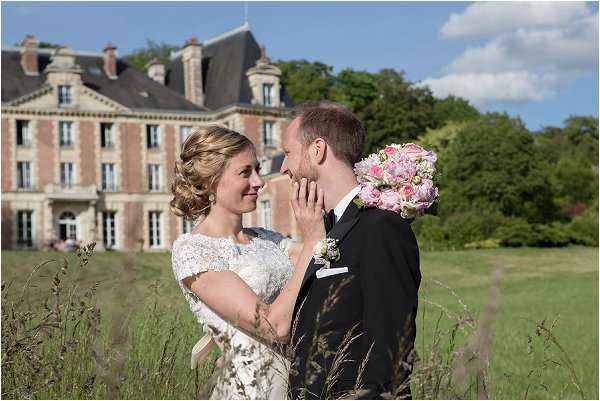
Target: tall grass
{"x":57,"y":343}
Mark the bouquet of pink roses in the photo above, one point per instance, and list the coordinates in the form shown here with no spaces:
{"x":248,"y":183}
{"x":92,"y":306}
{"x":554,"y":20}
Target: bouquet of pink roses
{"x":398,"y":178}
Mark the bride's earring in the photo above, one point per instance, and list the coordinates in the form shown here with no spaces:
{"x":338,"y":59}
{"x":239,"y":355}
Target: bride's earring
{"x":211,"y":197}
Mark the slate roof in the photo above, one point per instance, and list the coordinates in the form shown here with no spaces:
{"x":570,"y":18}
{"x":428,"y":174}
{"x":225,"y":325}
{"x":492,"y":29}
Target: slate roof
{"x":126,"y":90}
{"x":225,"y":60}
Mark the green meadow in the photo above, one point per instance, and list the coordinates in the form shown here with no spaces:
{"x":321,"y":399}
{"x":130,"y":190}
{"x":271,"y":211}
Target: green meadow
{"x":145,"y":331}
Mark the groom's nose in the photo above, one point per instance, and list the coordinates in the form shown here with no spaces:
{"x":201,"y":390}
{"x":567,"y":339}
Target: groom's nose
{"x":284,"y":167}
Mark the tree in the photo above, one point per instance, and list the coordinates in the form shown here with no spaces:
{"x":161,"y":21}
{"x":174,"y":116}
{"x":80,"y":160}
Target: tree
{"x":493,"y":164}
{"x":401,"y":112}
{"x":305,"y":81}
{"x":455,"y":109}
{"x":140,"y":57}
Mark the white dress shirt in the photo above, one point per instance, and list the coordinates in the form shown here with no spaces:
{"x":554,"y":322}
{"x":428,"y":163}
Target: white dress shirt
{"x":343,"y":204}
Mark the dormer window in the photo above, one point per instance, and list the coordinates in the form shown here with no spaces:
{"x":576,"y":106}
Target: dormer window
{"x":268,"y":94}
{"x":64,"y":95}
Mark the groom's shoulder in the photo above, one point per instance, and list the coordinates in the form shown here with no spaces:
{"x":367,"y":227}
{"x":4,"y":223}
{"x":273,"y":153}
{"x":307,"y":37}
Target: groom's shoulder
{"x":384,"y":220}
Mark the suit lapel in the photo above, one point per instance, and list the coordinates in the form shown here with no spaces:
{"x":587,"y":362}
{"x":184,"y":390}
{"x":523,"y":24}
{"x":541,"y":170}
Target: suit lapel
{"x":339,"y":232}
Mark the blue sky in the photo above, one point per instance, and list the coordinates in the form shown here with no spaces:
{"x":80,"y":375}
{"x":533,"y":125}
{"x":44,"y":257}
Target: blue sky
{"x":538,"y":61}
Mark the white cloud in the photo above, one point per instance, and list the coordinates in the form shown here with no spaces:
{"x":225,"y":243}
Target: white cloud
{"x":480,"y":88}
{"x":536,"y":48}
{"x":492,"y":18}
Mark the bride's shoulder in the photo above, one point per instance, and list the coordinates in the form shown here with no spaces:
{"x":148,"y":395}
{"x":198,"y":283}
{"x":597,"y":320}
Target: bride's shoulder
{"x":268,"y":234}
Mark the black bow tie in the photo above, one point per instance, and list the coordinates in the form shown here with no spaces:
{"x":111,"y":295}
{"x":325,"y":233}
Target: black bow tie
{"x":329,"y":220}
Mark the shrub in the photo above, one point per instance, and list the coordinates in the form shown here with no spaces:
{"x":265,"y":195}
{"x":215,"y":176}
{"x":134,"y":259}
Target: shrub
{"x":463,"y":228}
{"x":553,"y":234}
{"x":490,"y":243}
{"x":516,"y":232}
{"x":430,"y":233}
{"x":583,"y":229}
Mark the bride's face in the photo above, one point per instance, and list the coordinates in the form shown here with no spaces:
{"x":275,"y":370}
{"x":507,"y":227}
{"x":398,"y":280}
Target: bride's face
{"x":238,"y":187}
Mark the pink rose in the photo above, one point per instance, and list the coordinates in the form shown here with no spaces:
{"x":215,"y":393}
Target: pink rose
{"x":369,"y":194}
{"x":389,"y":150}
{"x":407,"y":191}
{"x":413,"y":151}
{"x":389,"y":200}
{"x":376,"y":171}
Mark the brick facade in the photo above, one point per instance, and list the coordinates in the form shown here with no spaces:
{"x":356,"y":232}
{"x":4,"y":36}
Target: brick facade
{"x":46,"y":140}
{"x":7,"y":225}
{"x":131,"y":144}
{"x":88,"y":153}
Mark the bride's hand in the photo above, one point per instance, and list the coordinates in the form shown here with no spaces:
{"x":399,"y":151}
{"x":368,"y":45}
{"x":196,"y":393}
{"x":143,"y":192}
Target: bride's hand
{"x":307,"y":203}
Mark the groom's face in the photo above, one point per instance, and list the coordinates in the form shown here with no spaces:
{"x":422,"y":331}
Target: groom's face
{"x":296,"y":164}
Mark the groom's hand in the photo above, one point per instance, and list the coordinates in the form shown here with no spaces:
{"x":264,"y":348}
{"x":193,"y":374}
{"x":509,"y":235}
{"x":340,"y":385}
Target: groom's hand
{"x":307,"y":204}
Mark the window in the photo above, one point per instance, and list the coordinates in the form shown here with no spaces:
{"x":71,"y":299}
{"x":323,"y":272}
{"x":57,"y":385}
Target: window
{"x":154,"y":229}
{"x":265,"y":214}
{"x":152,"y":136}
{"x":184,"y":132}
{"x":155,"y":177}
{"x":268,"y":94}
{"x":64,"y":134}
{"x":188,"y":225}
{"x":24,"y":175}
{"x":23,"y":133}
{"x":24,"y":230}
{"x":109,"y":236}
{"x":268,"y":133}
{"x":109,"y":177}
{"x":64,"y":95}
{"x":106,"y":135}
{"x":66,"y":174}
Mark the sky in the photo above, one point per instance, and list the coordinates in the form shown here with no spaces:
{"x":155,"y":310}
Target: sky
{"x":537,"y":61}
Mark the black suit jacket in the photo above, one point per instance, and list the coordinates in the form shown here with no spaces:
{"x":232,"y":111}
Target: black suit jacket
{"x":362,"y":320}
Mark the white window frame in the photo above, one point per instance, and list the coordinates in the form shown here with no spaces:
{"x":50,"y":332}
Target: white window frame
{"x":24,"y":134}
{"x":24,"y":178}
{"x":107,"y":135}
{"x":268,"y":94}
{"x":268,"y":133}
{"x":67,"y":174}
{"x":109,"y":177}
{"x":155,"y":177}
{"x":25,"y":228}
{"x":65,"y":95}
{"x":152,"y":136}
{"x":65,"y":134}
{"x":266,"y":217}
{"x":184,"y":133}
{"x":109,"y":229}
{"x":154,"y":229}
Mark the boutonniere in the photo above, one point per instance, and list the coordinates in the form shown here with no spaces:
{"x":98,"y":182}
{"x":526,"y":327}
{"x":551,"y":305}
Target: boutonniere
{"x":326,"y":251}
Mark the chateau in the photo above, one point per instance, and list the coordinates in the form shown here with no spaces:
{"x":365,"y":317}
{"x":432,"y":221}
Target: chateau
{"x":89,"y":143}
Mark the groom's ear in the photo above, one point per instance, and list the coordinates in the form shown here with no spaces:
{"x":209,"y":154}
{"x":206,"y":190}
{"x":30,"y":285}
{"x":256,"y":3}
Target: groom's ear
{"x":318,"y":150}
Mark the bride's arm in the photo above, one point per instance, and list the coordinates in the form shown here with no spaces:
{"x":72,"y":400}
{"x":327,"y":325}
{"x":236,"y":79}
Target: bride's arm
{"x":232,"y":299}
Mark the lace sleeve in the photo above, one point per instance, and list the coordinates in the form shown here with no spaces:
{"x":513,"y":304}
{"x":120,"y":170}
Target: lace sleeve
{"x":279,"y":239}
{"x":189,"y":258}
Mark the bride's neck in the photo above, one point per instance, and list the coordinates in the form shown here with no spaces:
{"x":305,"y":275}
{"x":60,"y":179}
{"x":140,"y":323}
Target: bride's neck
{"x":222,"y":223}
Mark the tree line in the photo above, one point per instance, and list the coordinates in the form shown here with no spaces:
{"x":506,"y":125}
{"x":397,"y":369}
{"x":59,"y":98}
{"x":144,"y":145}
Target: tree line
{"x":500,"y":183}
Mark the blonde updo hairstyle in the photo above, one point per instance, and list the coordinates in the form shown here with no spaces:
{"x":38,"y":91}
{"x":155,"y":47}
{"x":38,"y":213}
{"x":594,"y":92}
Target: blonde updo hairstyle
{"x":204,"y":156}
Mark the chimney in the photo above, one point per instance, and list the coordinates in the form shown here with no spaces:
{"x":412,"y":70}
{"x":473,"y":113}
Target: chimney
{"x":110,"y":61}
{"x":156,"y":70}
{"x":29,"y":56}
{"x":192,"y":71}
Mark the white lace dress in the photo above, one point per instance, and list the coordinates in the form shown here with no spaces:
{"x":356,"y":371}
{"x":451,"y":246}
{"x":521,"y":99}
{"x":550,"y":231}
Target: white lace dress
{"x":252,"y":370}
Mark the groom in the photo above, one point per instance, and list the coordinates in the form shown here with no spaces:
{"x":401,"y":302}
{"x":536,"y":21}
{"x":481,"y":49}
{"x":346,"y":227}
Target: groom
{"x":354,"y":322}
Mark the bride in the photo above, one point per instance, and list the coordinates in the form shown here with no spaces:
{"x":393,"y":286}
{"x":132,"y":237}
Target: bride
{"x":241,"y":283}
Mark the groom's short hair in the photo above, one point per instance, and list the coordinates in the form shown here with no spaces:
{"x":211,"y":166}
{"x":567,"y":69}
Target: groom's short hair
{"x":340,"y":128}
